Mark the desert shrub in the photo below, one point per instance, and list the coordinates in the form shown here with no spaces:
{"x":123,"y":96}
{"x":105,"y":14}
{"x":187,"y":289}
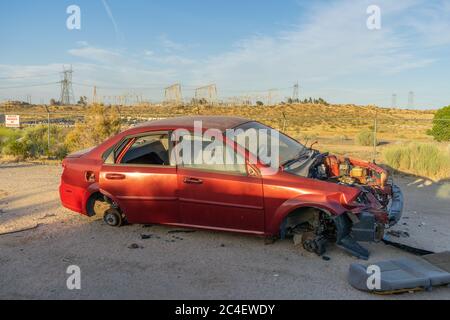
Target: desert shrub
{"x":16,"y":148}
{"x":99,"y":124}
{"x":441,"y":125}
{"x":365,"y":138}
{"x":7,"y":135}
{"x":419,"y":158}
{"x":60,"y":151}
{"x":32,"y":142}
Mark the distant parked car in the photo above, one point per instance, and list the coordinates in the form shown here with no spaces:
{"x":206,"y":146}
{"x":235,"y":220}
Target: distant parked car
{"x":314,"y":197}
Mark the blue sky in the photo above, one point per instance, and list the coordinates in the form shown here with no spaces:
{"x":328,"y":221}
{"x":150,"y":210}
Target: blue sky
{"x":138,"y":47}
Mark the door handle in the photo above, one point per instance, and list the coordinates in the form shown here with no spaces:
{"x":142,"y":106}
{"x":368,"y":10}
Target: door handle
{"x":193,"y":181}
{"x":115,"y":176}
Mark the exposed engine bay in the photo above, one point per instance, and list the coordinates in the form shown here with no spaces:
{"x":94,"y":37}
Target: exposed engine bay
{"x":367,"y":176}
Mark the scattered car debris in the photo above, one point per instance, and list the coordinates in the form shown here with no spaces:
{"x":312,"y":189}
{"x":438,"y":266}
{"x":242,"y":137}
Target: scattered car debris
{"x":415,"y":251}
{"x":20,"y":230}
{"x":398,"y":233}
{"x":135,"y":246}
{"x":270,"y":240}
{"x":146,"y":236}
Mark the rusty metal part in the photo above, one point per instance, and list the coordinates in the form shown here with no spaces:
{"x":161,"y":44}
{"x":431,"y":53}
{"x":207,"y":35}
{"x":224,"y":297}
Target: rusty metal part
{"x":100,"y":207}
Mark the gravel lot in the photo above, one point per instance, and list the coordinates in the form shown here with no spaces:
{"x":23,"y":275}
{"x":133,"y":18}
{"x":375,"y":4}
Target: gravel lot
{"x":198,"y":265}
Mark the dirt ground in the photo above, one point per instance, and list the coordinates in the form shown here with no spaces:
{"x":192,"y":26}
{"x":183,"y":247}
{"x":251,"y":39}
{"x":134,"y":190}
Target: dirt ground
{"x":198,"y":265}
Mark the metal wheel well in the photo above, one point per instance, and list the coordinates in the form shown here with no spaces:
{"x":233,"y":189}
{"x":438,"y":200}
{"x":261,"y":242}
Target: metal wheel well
{"x":93,"y":198}
{"x":299,"y":216}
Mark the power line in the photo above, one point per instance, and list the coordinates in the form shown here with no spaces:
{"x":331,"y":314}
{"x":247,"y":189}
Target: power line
{"x":119,"y":88}
{"x":29,"y":77}
{"x":30,"y":86}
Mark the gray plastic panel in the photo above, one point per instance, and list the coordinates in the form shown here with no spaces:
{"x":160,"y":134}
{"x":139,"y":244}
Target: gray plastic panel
{"x":400,"y":274}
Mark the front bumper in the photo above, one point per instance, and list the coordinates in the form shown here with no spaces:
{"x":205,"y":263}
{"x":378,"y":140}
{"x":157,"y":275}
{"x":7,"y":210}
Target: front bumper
{"x":395,"y":209}
{"x":366,"y":228}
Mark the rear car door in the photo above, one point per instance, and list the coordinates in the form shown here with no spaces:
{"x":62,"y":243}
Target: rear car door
{"x":223,"y":197}
{"x":138,"y":175}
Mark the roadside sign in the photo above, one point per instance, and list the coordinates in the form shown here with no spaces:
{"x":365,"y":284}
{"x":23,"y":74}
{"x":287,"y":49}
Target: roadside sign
{"x":12,"y":121}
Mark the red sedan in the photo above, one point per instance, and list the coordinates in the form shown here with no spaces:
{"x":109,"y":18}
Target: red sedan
{"x":313,"y":197}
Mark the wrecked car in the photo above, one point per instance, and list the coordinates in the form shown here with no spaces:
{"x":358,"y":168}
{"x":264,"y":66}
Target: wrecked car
{"x":315,"y":198}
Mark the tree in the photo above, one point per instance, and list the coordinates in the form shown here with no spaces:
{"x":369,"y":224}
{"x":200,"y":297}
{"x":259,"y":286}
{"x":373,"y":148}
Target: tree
{"x":441,"y":125}
{"x":53,"y":102}
{"x":82,"y":101}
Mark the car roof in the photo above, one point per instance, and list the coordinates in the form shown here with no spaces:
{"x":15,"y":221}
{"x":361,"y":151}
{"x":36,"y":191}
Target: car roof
{"x":221,"y":123}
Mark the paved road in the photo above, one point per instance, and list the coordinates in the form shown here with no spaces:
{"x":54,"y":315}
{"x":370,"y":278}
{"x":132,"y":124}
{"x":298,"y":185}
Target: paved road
{"x":199,"y":265}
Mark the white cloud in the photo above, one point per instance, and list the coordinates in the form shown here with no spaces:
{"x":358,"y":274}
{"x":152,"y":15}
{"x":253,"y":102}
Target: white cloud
{"x":96,"y":54}
{"x":170,"y":45}
{"x":334,"y":43}
{"x":82,"y":43}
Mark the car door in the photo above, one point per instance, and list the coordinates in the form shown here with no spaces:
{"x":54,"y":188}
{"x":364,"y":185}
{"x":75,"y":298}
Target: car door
{"x":222,"y":197}
{"x":139,"y":176}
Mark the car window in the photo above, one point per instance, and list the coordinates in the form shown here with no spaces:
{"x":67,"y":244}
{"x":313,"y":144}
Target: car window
{"x":200,"y":157}
{"x":148,"y":150}
{"x":288,"y":148}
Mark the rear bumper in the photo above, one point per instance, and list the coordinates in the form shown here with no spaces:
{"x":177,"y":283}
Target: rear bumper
{"x":72,"y":197}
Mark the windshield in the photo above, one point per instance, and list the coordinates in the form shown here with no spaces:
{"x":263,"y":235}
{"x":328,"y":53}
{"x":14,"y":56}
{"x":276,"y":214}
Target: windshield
{"x":289,"y":149}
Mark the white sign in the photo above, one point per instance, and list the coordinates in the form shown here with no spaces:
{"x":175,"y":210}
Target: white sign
{"x":12,"y":121}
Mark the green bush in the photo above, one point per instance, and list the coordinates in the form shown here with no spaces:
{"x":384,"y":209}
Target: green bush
{"x":441,"y":125}
{"x":422,"y":159}
{"x":16,"y":148}
{"x":32,"y":142}
{"x":365,"y":138}
{"x":6,"y":135}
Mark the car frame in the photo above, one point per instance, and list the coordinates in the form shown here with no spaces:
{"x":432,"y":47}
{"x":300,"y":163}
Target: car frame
{"x":312,"y":210}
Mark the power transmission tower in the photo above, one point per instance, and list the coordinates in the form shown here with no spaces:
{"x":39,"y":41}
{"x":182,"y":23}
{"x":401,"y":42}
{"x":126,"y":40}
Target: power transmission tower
{"x":271,"y":94}
{"x":173,"y":94}
{"x":94,"y":95}
{"x":207,"y":93}
{"x":394,"y":101}
{"x":296,"y":93}
{"x":411,"y":100}
{"x":66,"y":87}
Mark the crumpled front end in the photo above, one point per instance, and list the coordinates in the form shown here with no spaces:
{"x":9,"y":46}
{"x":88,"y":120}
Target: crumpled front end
{"x":367,"y":221}
{"x":378,"y":206}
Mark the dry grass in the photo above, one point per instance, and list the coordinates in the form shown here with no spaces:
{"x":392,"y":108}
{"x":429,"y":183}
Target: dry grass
{"x":334,"y":127}
{"x":424,"y":159}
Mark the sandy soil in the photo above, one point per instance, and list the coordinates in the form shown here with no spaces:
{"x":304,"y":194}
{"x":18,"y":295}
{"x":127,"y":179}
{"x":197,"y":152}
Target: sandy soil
{"x":199,"y":265}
